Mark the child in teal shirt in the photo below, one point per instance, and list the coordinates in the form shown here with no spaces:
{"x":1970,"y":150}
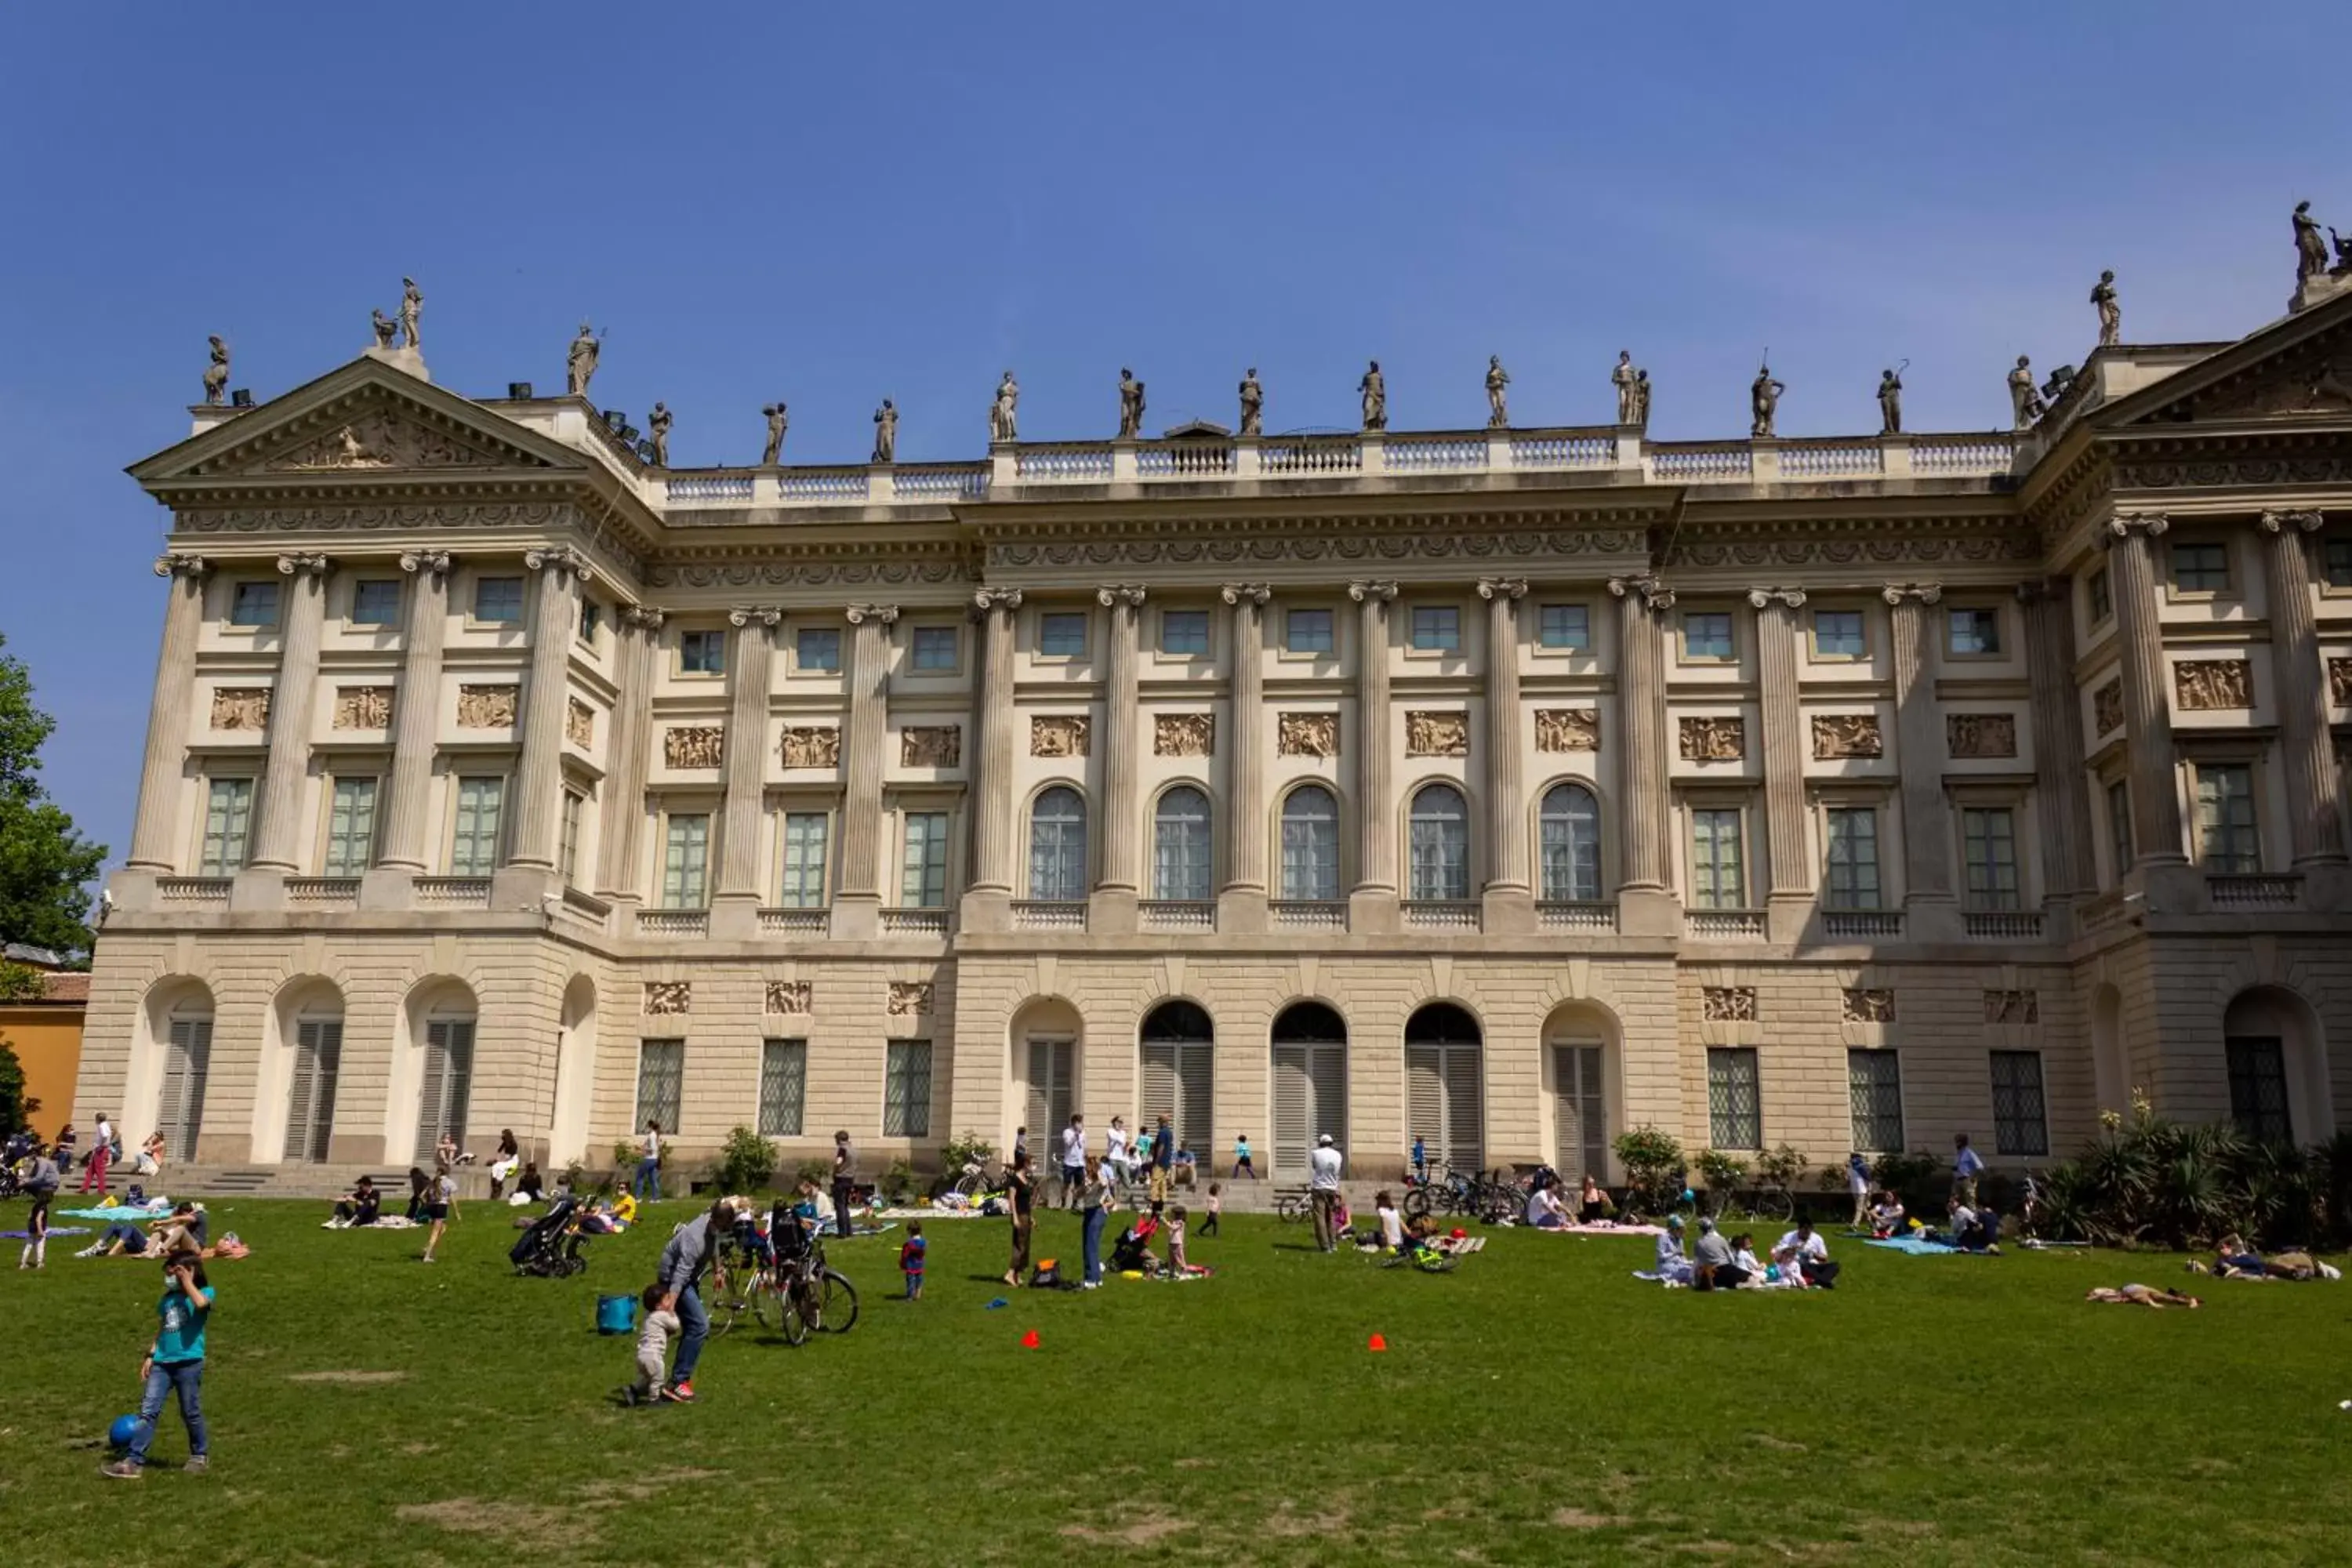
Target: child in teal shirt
{"x":175,"y":1365}
{"x":1242,"y":1166}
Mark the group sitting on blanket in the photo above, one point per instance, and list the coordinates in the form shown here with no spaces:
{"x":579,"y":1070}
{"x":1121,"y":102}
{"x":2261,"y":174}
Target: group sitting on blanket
{"x":1800,"y":1260}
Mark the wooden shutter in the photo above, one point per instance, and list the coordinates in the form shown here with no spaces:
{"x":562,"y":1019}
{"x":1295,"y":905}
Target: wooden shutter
{"x":1581,"y":1118}
{"x":1329,"y":1071}
{"x":1424,"y":1103}
{"x":1293,"y":1092}
{"x":1465,"y":1143}
{"x":187,"y":1061}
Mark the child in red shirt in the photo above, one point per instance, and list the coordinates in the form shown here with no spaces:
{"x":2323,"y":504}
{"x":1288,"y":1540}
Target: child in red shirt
{"x":910,"y":1260}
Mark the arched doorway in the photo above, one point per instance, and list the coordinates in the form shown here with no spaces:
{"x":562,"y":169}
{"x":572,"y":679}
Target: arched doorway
{"x":1045,"y":1037}
{"x":1443,"y":1085}
{"x":1576,"y":1062}
{"x":1178,"y":1047}
{"x":575,"y":1074}
{"x":2278,"y":1079}
{"x":1310,"y":1084}
{"x":439,"y":1070}
{"x":311,"y":1039}
{"x":174,"y":1061}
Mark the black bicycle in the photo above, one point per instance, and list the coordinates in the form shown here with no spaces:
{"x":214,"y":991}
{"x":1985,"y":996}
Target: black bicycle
{"x":808,"y":1295}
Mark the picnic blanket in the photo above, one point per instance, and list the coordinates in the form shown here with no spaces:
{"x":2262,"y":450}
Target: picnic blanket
{"x":1596,"y":1229}
{"x":54,"y":1230}
{"x":120,"y":1211}
{"x":1914,"y":1245}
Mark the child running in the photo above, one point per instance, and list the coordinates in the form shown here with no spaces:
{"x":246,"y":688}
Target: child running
{"x":439,"y":1195}
{"x":1242,"y":1166}
{"x":1216,"y":1209}
{"x":41,"y":1181}
{"x":174,"y":1365}
{"x":660,"y":1327}
{"x":911,"y":1259}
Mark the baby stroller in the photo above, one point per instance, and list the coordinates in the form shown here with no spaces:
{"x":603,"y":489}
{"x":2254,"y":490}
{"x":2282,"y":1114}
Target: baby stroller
{"x":552,"y":1247}
{"x":1131,"y":1253}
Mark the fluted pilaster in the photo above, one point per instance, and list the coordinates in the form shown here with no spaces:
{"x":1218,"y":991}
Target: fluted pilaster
{"x":1641,"y":775}
{"x":2315,"y":810}
{"x":862,"y":743}
{"x":2067,"y":866}
{"x":1245,"y":743}
{"x":1777,"y":637}
{"x":152,"y":845}
{"x":415,"y":712}
{"x":621,"y":839}
{"x":992,"y":754}
{"x":1376,"y":828}
{"x":278,"y":846}
{"x":750,"y":650}
{"x":1919,"y":748}
{"x":2147,"y":705}
{"x":547,"y":685}
{"x":1507,"y":858}
{"x":1122,"y":849}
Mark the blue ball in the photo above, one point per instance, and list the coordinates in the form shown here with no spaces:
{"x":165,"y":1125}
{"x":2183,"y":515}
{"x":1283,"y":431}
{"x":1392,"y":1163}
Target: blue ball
{"x":123,"y":1432}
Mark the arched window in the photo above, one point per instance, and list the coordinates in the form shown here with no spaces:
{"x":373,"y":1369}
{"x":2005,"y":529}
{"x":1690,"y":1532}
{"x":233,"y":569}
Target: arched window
{"x":1058,"y":846}
{"x":1180,"y":846}
{"x":1310,"y":845}
{"x":1571,"y":845}
{"x":1441,"y":844}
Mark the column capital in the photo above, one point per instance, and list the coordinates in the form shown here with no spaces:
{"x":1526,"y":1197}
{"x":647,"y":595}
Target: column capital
{"x":1502,"y":587}
{"x":436,"y":562}
{"x":1255,"y":593}
{"x":1921,"y":592}
{"x":744,"y":614}
{"x":560,"y":558}
{"x":2279,"y":521}
{"x":1792,"y":598}
{"x":987,"y":600}
{"x":2035,"y":590}
{"x":1128,"y":594}
{"x":1654,"y":591}
{"x":644,"y":615}
{"x":860,"y":614}
{"x":1383,"y":592}
{"x":2124,"y":524}
{"x":181,"y":563}
{"x":294,"y":564}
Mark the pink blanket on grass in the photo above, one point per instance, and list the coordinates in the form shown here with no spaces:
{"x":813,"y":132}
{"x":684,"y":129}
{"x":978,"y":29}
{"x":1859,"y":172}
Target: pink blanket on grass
{"x":1600,"y":1230}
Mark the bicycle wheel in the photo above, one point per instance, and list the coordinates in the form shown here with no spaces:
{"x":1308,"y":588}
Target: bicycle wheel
{"x":1776,"y":1204}
{"x":1416,"y":1203}
{"x":836,"y":1303}
{"x":767,"y":1301}
{"x":792,"y":1312}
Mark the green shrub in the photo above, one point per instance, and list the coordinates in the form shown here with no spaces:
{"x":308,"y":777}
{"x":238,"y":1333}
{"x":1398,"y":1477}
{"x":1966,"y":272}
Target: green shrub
{"x":1784,"y":1167}
{"x":624,"y":1154}
{"x":746,"y":1161}
{"x":971,"y":1149}
{"x":1724,"y":1172}
{"x":897,"y":1184}
{"x":818,"y":1170}
{"x":1650,"y":1158}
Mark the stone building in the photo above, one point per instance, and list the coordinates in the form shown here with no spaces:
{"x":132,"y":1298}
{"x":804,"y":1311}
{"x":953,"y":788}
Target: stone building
{"x":1511,"y":787}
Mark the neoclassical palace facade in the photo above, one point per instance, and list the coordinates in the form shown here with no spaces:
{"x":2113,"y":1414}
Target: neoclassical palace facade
{"x":1508,"y":787}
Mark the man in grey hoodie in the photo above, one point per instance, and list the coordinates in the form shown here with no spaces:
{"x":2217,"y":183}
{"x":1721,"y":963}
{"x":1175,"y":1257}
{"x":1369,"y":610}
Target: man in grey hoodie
{"x":683,"y":1262}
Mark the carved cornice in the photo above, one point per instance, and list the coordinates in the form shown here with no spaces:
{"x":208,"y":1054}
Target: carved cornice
{"x":294,"y":564}
{"x":860,"y":614}
{"x":1654,"y":592}
{"x":181,"y":563}
{"x":1502,"y":587}
{"x":1309,"y":543}
{"x":423,"y":515}
{"x":1917,"y":593}
{"x":766,"y":616}
{"x":2279,"y":521}
{"x":436,"y":562}
{"x":1127,"y":594}
{"x":1381,"y":592}
{"x":1794,"y":598}
{"x":1255,"y":593}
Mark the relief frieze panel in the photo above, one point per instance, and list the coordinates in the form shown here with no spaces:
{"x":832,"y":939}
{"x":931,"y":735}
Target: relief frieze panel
{"x":487,"y":707}
{"x":1716,"y":739}
{"x":1183,"y":734}
{"x":2206,"y":685}
{"x":1306,"y":734}
{"x":930,"y":746}
{"x":1568,"y":729}
{"x":1841,"y":736}
{"x":1436,"y":734}
{"x":1980,"y":734}
{"x":241,"y":707}
{"x":812,"y":746}
{"x":1059,"y":734}
{"x":362,"y":708}
{"x":694,"y":745}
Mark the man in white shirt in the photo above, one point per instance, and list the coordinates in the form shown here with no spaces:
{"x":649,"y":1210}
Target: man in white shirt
{"x":1074,"y":1160}
{"x":1804,"y":1250}
{"x":1323,"y":1190}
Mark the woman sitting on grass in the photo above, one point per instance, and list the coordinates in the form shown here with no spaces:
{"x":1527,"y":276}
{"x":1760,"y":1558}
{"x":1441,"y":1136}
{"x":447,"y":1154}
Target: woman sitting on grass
{"x":2140,"y":1296}
{"x":1671,"y":1267}
{"x":1887,"y":1215}
{"x":1384,"y":1209}
{"x":1593,"y":1204}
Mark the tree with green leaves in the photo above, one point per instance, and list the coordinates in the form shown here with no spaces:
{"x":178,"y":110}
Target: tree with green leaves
{"x":46,"y":865}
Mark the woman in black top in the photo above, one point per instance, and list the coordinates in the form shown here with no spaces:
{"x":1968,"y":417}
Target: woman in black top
{"x":1022,"y":1188}
{"x":416,"y":1195}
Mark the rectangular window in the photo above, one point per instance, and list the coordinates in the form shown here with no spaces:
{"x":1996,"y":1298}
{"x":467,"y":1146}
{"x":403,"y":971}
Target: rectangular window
{"x":350,"y":828}
{"x":1185,"y":632}
{"x":254,"y":604}
{"x":906,"y":1089}
{"x":1717,"y":882}
{"x":592,"y":616}
{"x":935,"y":648}
{"x":784,"y":1087}
{"x":2119,"y":826}
{"x":2258,"y":1088}
{"x":1974,"y":631}
{"x":2337,"y":559}
{"x":375,"y":601}
{"x":1852,"y":882}
{"x":1989,"y":844}
{"x":818,"y":648}
{"x":1837,"y":634}
{"x":686,"y":862}
{"x":1437,"y":628}
{"x":1735,"y":1114}
{"x":474,"y":846}
{"x":498,"y":600}
{"x":1062,"y":635}
{"x":228,"y":826}
{"x":2200,"y":568}
{"x":661,"y":1082}
{"x":1707,"y":636}
{"x":2227,"y":840}
{"x":2018,"y":1125}
{"x":2102,"y":596}
{"x":1567,"y":627}
{"x":702,"y":653}
{"x":1307,"y":631}
{"x":1875,"y":1084}
{"x":924,"y":882}
{"x":567,"y":850}
{"x":805,"y":835}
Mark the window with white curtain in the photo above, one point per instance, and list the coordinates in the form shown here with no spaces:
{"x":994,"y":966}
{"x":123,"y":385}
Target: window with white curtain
{"x":1179,"y":845}
{"x":1310,"y":845}
{"x":1571,"y":845}
{"x":1440,"y":843}
{"x":1058,"y":846}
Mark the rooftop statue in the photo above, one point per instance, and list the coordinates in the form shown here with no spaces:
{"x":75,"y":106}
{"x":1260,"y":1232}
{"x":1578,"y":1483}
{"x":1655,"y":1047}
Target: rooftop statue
{"x":777,"y":419}
{"x":1004,"y":414}
{"x":1623,"y":376}
{"x":580,"y":363}
{"x":412,"y":305}
{"x":2310,"y":251}
{"x":1642,"y":399}
{"x":885,"y":433}
{"x":658,"y":421}
{"x":386,"y":328}
{"x":2111,"y":312}
{"x":1498,"y":380}
{"x":217,"y":374}
{"x":2025,"y":405}
{"x":1890,"y":403}
{"x":1764,"y":399}
{"x":1131,"y":405}
{"x":1375,"y":390}
{"x":1253,"y":403}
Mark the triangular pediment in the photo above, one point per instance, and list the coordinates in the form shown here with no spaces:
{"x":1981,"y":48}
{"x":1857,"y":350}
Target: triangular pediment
{"x":364,"y":418}
{"x":2297,"y":368}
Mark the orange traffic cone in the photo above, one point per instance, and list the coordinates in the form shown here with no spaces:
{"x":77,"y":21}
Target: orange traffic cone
{"x":1029,"y":1341}
{"x":1379,"y":1342}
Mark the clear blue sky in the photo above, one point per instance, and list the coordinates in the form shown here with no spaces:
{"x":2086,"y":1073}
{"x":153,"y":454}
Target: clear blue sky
{"x":832,"y":206}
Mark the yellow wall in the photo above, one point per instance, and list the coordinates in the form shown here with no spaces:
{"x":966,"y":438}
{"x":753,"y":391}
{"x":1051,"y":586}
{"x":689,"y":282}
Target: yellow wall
{"x":47,"y":1042}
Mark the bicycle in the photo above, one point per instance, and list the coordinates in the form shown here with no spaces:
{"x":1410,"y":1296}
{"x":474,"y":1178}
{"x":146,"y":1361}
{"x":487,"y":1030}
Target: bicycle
{"x":740,"y":1272}
{"x":814,"y":1295}
{"x":1293,"y":1207}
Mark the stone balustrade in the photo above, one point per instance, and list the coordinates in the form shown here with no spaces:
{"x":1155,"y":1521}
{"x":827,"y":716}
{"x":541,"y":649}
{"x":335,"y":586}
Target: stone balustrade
{"x":2275,"y":891}
{"x":1724,"y":925}
{"x":674,"y":923}
{"x":1951,"y":456}
{"x":824,"y":487}
{"x":914,"y":922}
{"x":1308,"y":914}
{"x":1441,"y":914}
{"x":1177,"y":914}
{"x":198,"y":890}
{"x":1434,"y":454}
{"x":1877,"y":925}
{"x":1831,"y":459}
{"x":1701,"y":462}
{"x":453,"y":892}
{"x":795,"y":922}
{"x":323,"y":893}
{"x":1049,"y":914}
{"x":1594,"y":919}
{"x":2002,"y":925}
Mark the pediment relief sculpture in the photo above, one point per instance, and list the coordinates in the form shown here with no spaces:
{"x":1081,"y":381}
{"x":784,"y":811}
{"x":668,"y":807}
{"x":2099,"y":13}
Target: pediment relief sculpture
{"x":486,"y":707}
{"x":1720,"y":738}
{"x":2318,"y":382}
{"x":1568,"y":729}
{"x":378,"y":439}
{"x":2208,"y":684}
{"x":1980,"y":734}
{"x":694,"y":745}
{"x":1436,"y":735}
{"x":1838,"y":736}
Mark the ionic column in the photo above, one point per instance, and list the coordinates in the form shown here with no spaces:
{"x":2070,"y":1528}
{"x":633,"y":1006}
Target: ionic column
{"x":2314,"y":812}
{"x":1122,"y":849}
{"x":1789,"y":894}
{"x":621,"y":822}
{"x":152,"y":845}
{"x":992,"y":823}
{"x":1507,"y":860}
{"x":547,"y":685}
{"x":1642,"y":788}
{"x":2148,"y":706}
{"x":1919,"y":749}
{"x":415,"y":712}
{"x":1243,"y":745}
{"x":2067,"y":866}
{"x":1376,"y":848}
{"x":857,"y":900}
{"x":751,"y":646}
{"x":278,"y":847}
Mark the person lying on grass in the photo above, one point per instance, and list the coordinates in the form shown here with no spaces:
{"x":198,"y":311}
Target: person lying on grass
{"x":2140,"y":1296}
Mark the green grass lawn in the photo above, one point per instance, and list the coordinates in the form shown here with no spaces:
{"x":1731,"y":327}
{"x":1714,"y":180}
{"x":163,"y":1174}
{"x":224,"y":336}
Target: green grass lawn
{"x":1537,"y":1406}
